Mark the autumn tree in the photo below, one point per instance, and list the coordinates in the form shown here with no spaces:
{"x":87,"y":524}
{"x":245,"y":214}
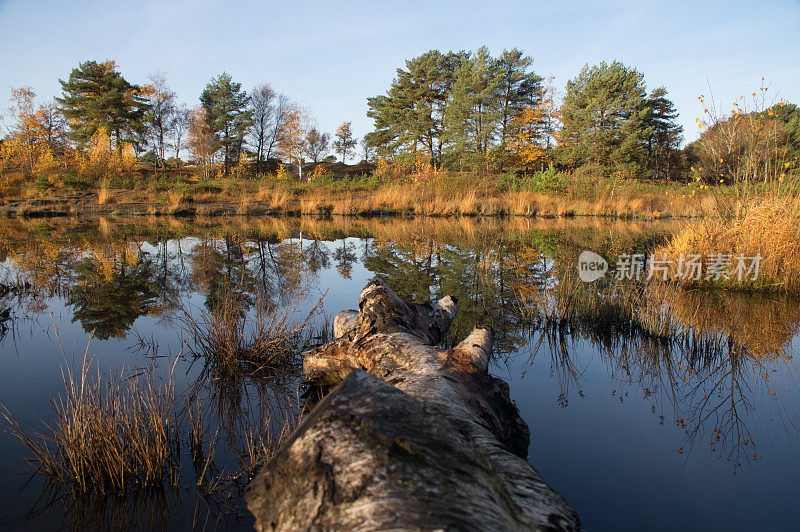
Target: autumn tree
{"x":293,"y":137}
{"x":604,"y":117}
{"x":366,"y":150}
{"x":262,"y":105}
{"x":201,"y":139}
{"x":282,"y":107}
{"x":96,"y":96}
{"x":532,"y":131}
{"x":20,"y":149}
{"x":180,"y":126}
{"x":160,"y":117}
{"x":316,"y":145}
{"x":228,"y":116}
{"x":345,"y":142}
{"x":53,"y":126}
{"x":37,"y":135}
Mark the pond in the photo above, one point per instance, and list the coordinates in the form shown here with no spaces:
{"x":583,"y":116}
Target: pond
{"x":650,"y":406}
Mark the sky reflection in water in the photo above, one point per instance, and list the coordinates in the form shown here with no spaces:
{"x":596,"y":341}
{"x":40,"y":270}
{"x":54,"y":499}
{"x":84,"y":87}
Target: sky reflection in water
{"x":695,"y":427}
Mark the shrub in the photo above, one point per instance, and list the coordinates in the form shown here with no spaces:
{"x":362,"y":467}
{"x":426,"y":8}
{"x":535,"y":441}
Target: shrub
{"x":42,"y":183}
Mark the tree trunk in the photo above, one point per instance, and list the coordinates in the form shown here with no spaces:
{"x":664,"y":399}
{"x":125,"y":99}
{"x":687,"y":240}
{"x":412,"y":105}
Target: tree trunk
{"x":411,"y":437}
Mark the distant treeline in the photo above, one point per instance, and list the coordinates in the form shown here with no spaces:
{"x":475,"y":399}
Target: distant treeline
{"x":469,"y":110}
{"x":461,"y":111}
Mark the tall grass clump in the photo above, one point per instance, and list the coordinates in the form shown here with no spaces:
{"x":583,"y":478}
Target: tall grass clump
{"x":114,"y":440}
{"x":103,"y":193}
{"x":109,"y":437}
{"x":233,"y":339}
{"x":768,"y":228}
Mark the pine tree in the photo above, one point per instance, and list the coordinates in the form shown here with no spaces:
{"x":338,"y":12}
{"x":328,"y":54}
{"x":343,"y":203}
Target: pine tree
{"x":605,"y":118}
{"x":96,"y":96}
{"x":665,"y":133}
{"x":225,"y":104}
{"x":520,"y":89}
{"x":411,"y":114}
{"x":475,"y":114}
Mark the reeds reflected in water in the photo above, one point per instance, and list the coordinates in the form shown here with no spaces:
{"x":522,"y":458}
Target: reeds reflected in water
{"x":701,"y":357}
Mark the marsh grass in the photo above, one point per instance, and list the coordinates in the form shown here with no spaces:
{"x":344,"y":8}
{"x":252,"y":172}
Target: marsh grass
{"x":120,"y":436}
{"x":547,"y":194}
{"x":109,"y":436}
{"x":233,"y":340}
{"x":765,"y":227}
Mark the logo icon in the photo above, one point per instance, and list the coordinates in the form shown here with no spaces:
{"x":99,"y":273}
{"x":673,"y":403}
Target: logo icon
{"x":591,"y":266}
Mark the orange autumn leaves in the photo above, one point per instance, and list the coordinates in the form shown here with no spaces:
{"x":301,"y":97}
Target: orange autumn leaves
{"x":536,"y":131}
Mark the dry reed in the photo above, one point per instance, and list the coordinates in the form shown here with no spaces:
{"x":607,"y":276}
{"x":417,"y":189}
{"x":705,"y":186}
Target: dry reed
{"x":226,"y":337}
{"x":109,"y":437}
{"x":766,"y":228}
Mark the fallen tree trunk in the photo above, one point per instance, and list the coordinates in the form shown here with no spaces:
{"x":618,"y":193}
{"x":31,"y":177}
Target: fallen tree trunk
{"x":410,"y":438}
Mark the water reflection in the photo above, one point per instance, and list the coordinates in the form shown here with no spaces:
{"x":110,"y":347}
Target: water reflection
{"x":704,"y":360}
{"x":711,"y":364}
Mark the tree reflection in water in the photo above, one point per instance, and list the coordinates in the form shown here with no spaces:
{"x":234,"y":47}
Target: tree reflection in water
{"x":704,"y":360}
{"x":114,"y":285}
{"x":701,"y":357}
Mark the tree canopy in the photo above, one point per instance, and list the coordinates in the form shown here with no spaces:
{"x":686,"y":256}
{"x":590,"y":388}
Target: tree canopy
{"x":228,"y":115}
{"x":96,"y":96}
{"x":455,"y":107}
{"x":604,"y":117}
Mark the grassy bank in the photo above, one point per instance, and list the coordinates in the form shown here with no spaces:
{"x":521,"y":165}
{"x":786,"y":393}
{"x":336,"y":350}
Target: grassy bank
{"x":548,"y":193}
{"x":750,"y":219}
{"x":764,"y":227}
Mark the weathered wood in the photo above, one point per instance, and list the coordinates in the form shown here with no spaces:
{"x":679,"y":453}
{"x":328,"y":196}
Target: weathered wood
{"x":411,"y":437}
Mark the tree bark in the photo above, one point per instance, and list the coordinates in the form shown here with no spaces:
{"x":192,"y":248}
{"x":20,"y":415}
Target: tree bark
{"x":411,"y":437}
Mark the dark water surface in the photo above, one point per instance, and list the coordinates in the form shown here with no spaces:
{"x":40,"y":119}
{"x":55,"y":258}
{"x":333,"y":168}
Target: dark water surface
{"x":696,"y":429}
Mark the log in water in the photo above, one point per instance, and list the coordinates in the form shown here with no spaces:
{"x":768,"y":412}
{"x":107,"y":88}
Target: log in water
{"x":411,"y":437}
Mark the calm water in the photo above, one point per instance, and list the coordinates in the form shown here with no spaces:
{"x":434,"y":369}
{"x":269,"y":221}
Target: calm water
{"x":695,"y":431}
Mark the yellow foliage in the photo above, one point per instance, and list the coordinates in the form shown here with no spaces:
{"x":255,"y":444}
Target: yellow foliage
{"x":533,"y":129}
{"x":28,"y":147}
{"x":240,"y":170}
{"x":319,"y":172}
{"x":100,"y":159}
{"x":283,"y":173}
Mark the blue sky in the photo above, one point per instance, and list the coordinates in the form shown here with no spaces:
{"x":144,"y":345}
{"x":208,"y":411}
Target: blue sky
{"x":331,"y":56}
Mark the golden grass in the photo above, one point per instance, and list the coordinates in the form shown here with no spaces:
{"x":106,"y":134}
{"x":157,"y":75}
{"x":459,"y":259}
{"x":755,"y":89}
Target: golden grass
{"x":108,"y":437}
{"x":769,"y":228}
{"x":232,"y":342}
{"x":177,"y":198}
{"x":434,"y":194}
{"x":453,"y":195}
{"x":104,"y":194}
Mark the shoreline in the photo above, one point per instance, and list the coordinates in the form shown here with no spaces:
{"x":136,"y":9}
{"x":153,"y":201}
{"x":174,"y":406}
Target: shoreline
{"x":79,"y":204}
